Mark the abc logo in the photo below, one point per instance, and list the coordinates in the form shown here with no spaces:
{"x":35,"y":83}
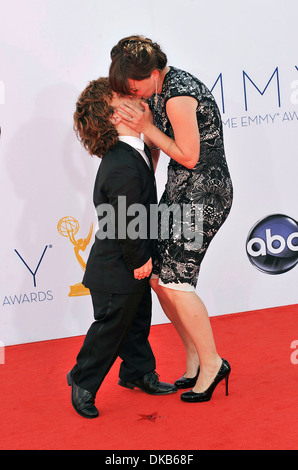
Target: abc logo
{"x":272,"y":244}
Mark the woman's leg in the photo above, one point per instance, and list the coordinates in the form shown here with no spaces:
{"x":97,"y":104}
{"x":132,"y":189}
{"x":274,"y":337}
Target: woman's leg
{"x":192,"y":359}
{"x":191,"y":313}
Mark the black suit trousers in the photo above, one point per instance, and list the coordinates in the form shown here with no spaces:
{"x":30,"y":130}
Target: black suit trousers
{"x":121,"y":328}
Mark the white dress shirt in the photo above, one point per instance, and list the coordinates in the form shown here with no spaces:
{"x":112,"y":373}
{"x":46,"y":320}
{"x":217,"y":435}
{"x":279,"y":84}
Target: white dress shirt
{"x":137,"y":144}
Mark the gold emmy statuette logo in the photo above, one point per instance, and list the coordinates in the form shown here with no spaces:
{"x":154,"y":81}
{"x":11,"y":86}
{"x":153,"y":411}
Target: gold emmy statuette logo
{"x":69,"y":227}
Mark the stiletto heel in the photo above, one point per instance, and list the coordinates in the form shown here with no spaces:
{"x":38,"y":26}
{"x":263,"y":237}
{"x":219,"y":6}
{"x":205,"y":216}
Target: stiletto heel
{"x":68,"y":377}
{"x":223,"y":373}
{"x":227,"y":385}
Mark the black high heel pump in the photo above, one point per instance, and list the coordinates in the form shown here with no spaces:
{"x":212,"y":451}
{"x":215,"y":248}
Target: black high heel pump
{"x":187,"y":382}
{"x":223,"y":373}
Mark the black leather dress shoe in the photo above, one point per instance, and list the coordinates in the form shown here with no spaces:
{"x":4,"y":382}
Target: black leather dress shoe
{"x":82,"y":400}
{"x":186,"y":382}
{"x":150,"y":384}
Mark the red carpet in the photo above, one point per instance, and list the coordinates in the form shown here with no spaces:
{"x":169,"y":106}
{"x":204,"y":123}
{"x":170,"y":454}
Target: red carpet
{"x":260,"y":413}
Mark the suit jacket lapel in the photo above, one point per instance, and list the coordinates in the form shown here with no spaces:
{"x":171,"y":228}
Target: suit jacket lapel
{"x":148,"y":153}
{"x":150,"y":169}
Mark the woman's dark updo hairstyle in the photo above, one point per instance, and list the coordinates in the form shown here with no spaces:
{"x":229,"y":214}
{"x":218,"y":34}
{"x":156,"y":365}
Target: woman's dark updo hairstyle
{"x":135,"y":58}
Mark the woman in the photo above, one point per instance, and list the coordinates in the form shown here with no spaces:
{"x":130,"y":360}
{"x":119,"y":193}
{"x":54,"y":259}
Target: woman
{"x":187,"y":127}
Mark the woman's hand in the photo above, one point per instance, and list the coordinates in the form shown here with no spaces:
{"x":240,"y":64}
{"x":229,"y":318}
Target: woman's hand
{"x":181,"y":111}
{"x":137,"y":117}
{"x":143,"y":271}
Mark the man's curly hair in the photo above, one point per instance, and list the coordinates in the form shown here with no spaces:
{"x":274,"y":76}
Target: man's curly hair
{"x":92,"y":123}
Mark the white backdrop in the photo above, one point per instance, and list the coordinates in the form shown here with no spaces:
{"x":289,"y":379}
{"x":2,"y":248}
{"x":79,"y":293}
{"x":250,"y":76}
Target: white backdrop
{"x":49,"y":50}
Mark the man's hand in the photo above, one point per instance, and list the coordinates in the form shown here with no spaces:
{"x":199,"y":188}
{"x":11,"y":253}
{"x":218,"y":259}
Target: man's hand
{"x":143,"y":271}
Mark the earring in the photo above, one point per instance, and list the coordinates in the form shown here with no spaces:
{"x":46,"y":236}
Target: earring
{"x":156,"y":97}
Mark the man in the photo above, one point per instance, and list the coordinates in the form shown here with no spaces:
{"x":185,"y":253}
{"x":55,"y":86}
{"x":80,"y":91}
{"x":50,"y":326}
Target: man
{"x":119,"y":266}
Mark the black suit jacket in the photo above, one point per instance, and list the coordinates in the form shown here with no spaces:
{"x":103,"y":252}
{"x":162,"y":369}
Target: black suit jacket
{"x":122,"y":172}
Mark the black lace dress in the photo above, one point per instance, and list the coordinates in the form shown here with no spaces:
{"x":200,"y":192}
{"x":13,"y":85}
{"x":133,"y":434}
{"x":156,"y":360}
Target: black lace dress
{"x":203,"y":194}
